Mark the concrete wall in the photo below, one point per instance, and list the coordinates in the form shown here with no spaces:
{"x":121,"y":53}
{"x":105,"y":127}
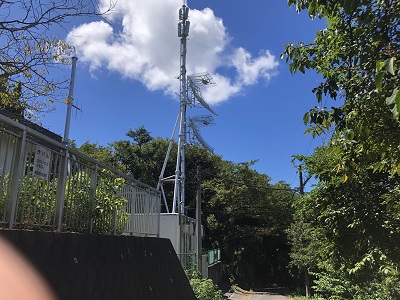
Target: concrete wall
{"x":78,"y":266}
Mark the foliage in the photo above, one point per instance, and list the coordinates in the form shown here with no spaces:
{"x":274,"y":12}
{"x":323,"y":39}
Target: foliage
{"x":137,"y":158}
{"x":243,"y":213}
{"x":204,"y":288}
{"x":340,"y":283}
{"x":109,"y":202}
{"x":3,"y":193}
{"x":10,"y":97}
{"x":100,"y":153}
{"x":352,"y":214}
{"x":77,"y":209}
{"x":306,"y":243}
{"x":357,"y":56}
{"x":30,"y":55}
{"x":37,"y":202}
{"x":349,"y":237}
{"x":82,"y":210}
{"x":247,"y":220}
{"x":142,"y":157}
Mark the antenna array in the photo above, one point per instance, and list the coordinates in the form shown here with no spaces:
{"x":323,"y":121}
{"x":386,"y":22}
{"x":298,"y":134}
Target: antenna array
{"x":193,"y":124}
{"x":194,"y":83}
{"x":190,"y":94}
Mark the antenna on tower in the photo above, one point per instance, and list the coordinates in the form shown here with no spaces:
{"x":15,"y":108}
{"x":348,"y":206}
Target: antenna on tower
{"x":70,"y":100}
{"x":190,"y":95}
{"x":197,"y":81}
{"x":77,"y":107}
{"x":202,"y":121}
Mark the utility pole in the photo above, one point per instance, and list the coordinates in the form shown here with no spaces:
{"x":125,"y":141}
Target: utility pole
{"x":70,"y":101}
{"x":199,"y":251}
{"x":64,"y":162}
{"x":306,"y":274}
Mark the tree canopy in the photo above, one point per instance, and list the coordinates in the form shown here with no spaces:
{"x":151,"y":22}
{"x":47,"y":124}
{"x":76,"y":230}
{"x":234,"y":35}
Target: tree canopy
{"x":244,"y":214}
{"x":346,"y":231}
{"x":357,"y":57}
{"x":247,"y":217}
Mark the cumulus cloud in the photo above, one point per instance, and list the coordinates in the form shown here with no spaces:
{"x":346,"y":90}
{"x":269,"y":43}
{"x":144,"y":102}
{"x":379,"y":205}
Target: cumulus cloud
{"x":250,"y":69}
{"x":139,"y":41}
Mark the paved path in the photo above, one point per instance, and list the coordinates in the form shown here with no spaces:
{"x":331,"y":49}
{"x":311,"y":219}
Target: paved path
{"x":239,"y":296}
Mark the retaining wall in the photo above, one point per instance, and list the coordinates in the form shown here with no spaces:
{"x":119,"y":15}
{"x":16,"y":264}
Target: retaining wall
{"x":83,"y":266}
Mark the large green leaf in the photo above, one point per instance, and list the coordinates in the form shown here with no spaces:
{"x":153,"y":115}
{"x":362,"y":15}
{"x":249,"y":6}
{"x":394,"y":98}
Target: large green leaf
{"x":378,"y":80}
{"x":390,"y":65}
{"x":394,"y":99}
{"x":379,"y":65}
{"x":306,"y":118}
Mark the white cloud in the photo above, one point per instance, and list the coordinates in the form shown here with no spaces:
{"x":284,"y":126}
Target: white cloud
{"x":140,"y":42}
{"x":250,"y":69}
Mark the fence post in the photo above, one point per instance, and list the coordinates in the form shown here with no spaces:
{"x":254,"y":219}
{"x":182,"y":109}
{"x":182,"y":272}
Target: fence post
{"x":115,"y":211}
{"x":61,"y":185}
{"x":92,"y":199}
{"x":147,"y":214}
{"x":158,"y":214}
{"x":12,"y":195}
{"x":204,"y":267}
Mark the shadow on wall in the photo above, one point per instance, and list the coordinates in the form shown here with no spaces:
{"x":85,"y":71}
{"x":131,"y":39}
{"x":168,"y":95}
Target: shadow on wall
{"x":83,"y":266}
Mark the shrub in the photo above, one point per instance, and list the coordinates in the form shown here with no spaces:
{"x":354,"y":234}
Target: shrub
{"x":204,"y":288}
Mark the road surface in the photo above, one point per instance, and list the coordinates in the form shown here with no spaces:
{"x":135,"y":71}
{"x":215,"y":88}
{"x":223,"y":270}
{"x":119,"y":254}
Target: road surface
{"x":256,"y":296}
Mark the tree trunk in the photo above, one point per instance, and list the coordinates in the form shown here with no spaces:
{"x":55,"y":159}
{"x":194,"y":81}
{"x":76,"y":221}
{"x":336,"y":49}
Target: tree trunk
{"x":307,"y":282}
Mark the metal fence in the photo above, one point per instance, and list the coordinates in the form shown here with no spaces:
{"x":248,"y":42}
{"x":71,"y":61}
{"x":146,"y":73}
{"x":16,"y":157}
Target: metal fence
{"x":214,"y":256}
{"x":44,"y":183}
{"x":188,"y":261}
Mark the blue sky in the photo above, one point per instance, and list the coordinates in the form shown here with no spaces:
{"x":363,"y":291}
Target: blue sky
{"x":127,"y":69}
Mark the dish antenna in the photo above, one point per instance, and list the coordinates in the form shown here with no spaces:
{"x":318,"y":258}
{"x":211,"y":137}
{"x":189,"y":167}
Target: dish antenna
{"x":195,"y":82}
{"x":202,"y":121}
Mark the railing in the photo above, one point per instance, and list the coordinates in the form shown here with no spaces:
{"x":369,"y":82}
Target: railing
{"x":214,"y":256}
{"x":44,"y":183}
{"x":188,"y":261}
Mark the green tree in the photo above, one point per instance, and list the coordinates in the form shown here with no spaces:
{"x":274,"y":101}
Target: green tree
{"x":10,"y":97}
{"x":353,"y":210}
{"x":136,"y":157}
{"x":247,"y":219}
{"x":101,"y":153}
{"x":143,"y":158}
{"x":357,"y":57}
{"x":345,"y":232}
{"x":244,"y":214}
